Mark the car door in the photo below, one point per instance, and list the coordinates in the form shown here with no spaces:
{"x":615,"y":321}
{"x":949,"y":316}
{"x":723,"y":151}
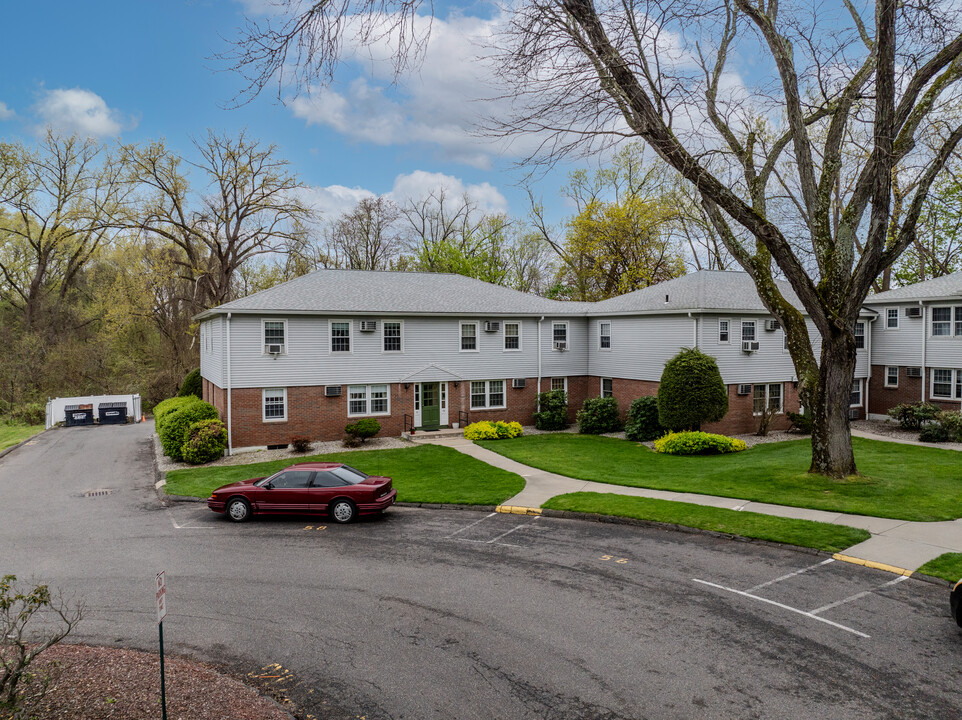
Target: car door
{"x":289,"y":492}
{"x":326,"y":487}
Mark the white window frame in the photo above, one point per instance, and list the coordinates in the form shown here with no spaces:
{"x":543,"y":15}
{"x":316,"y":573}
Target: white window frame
{"x":273,"y":391}
{"x":728,"y":331}
{"x":564,"y":382}
{"x":785,"y":342}
{"x":350,"y":337}
{"x":754,"y":324}
{"x":856,"y":335}
{"x":504,"y":336}
{"x":567,"y":339}
{"x":954,"y":381}
{"x":768,"y":397}
{"x":888,"y":317}
{"x":601,"y":334}
{"x":368,"y":400}
{"x":384,"y":324}
{"x":861,"y":393}
{"x":487,"y":395}
{"x":897,"y":373}
{"x":611,"y":380}
{"x":264,"y":342}
{"x":477,"y":336}
{"x":954,"y":321}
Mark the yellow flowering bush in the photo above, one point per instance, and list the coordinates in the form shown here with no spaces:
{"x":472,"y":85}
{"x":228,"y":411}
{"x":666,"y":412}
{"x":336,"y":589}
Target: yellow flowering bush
{"x":487,"y":430}
{"x":698,"y":443}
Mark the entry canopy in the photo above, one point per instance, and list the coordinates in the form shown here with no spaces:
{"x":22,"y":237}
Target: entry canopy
{"x":431,"y":373}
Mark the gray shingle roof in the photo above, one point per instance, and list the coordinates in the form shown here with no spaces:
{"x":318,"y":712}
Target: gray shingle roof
{"x":947,"y":286}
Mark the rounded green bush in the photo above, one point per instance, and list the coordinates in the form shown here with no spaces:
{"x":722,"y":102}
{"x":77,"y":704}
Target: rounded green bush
{"x":554,"y":410}
{"x":935,"y":433}
{"x":363,"y":428}
{"x":642,"y":424}
{"x":206,"y":441}
{"x":173,"y":430}
{"x":691,"y":392}
{"x":488,"y":430}
{"x":598,"y":415}
{"x":698,"y":443}
{"x":193,"y":385}
{"x":165,"y":407}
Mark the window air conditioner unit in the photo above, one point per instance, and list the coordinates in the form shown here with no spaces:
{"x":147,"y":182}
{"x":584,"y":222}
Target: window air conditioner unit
{"x":332,"y":390}
{"x":853,"y":413}
{"x":518,"y":382}
{"x":274,"y":349}
{"x":913,"y":372}
{"x":744,"y":389}
{"x":772,"y":325}
{"x":749,"y":346}
{"x":492,"y":326}
{"x":915,"y":312}
{"x":562,"y":346}
{"x":368,"y":325}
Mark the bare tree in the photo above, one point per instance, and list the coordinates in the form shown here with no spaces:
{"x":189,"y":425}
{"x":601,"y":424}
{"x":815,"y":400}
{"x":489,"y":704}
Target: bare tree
{"x":368,"y":237}
{"x":248,"y":206}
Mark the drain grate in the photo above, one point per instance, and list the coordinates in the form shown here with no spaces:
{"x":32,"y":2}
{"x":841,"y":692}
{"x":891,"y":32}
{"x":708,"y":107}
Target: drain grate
{"x":97,"y":493}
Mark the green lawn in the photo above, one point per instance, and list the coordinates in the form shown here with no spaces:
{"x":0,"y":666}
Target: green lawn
{"x":900,"y":481}
{"x":947,"y":566}
{"x":10,"y":435}
{"x":804,"y":533}
{"x":426,"y":473}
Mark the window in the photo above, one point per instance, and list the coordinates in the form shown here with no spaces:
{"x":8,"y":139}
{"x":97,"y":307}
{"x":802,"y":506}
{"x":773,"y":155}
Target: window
{"x":368,"y":400}
{"x":855,"y":396}
{"x":392,"y":336}
{"x":892,"y":318}
{"x":769,"y":396}
{"x":341,"y":336}
{"x":469,"y":337}
{"x":559,"y":383}
{"x":512,"y":336}
{"x":748,"y":330}
{"x":487,"y":394}
{"x":958,"y":319}
{"x":607,"y":390}
{"x":292,"y":479}
{"x":943,"y":385}
{"x":275,"y":332}
{"x":942,"y":321}
{"x":859,"y":336}
{"x":559,"y":333}
{"x":604,"y":336}
{"x":275,"y":404}
{"x":892,"y":376}
{"x":723,"y":331}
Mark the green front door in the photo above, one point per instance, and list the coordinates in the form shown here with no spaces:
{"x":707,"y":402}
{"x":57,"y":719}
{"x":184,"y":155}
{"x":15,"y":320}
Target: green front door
{"x":430,"y":406}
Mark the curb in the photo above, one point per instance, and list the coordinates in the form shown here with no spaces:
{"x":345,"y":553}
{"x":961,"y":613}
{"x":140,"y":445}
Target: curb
{"x":517,"y":510}
{"x":873,"y":564}
{"x":10,"y":449}
{"x":445,"y":506}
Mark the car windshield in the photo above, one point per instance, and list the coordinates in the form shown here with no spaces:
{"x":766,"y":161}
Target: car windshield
{"x":262,"y":482}
{"x":348,"y":474}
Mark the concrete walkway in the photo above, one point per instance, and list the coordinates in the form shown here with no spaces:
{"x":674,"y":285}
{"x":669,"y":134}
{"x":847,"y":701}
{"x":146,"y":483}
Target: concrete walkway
{"x":899,"y":545}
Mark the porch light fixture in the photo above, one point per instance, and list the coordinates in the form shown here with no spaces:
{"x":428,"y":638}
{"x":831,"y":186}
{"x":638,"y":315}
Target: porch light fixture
{"x":407,"y":385}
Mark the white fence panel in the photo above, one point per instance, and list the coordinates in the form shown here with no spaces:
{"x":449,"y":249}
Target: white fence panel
{"x":56,"y":408}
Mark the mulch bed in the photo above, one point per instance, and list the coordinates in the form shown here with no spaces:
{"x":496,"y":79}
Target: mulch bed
{"x":96,"y":683}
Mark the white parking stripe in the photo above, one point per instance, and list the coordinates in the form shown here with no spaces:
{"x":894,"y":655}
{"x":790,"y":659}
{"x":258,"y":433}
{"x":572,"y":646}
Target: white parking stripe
{"x":791,"y":574}
{"x":511,"y":531}
{"x":178,"y":526}
{"x":467,"y":527}
{"x":857,"y":596}
{"x":783,"y":606}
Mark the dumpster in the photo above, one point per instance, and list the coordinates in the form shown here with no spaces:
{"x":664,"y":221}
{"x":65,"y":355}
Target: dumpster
{"x":112,"y":413}
{"x":79,"y":415}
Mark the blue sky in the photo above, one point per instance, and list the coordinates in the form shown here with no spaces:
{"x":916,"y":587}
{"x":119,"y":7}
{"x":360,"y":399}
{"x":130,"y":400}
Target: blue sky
{"x":142,"y":69}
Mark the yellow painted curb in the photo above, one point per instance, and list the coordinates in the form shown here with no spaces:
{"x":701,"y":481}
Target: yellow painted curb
{"x":516,"y":510}
{"x":873,"y":564}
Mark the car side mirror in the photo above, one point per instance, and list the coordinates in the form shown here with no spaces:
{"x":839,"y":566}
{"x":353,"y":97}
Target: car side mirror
{"x":269,"y":486}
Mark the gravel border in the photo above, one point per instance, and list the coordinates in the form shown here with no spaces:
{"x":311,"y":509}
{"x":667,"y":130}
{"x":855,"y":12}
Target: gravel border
{"x":890,"y":428}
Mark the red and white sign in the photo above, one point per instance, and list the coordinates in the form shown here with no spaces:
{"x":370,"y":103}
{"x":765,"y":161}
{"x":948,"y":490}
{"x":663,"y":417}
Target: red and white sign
{"x":161,"y":596}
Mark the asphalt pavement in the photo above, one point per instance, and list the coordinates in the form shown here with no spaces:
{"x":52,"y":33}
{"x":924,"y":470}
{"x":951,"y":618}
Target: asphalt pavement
{"x":459,"y":614}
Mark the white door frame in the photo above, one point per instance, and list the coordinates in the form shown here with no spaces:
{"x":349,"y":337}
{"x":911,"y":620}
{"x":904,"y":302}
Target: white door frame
{"x":417,"y":404}
{"x":444,"y":404}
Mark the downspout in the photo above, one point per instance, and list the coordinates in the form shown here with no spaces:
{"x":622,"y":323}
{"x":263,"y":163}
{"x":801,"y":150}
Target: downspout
{"x":925,"y":332}
{"x":694,"y":331}
{"x":538,"y":390}
{"x":230,"y":425}
{"x":868,"y":353}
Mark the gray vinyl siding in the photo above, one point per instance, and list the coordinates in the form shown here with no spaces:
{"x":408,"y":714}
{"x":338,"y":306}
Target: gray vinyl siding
{"x":640,"y":345}
{"x":943,"y":351}
{"x":570,"y":363}
{"x":902,"y":347}
{"x":212,"y":362}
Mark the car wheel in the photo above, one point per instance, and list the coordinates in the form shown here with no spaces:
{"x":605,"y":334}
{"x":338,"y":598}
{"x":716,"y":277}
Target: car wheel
{"x":238,"y":510}
{"x":342,"y":511}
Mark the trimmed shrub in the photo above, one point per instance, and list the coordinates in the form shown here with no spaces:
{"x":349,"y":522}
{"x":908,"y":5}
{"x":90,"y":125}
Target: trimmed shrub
{"x":698,"y":443}
{"x":192,"y":386}
{"x":206,"y":441}
{"x":599,"y":415}
{"x":300,"y":443}
{"x":642,"y":424}
{"x":554,"y":410}
{"x":801,"y":422}
{"x":912,"y":416}
{"x":934,"y":433}
{"x":363,"y":429}
{"x":488,"y":430}
{"x":175,"y":424}
{"x":165,"y":407}
{"x":951,"y":420}
{"x":691,"y":391}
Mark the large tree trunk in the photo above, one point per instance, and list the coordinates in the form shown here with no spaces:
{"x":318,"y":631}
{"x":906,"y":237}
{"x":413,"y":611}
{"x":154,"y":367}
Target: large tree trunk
{"x":831,"y":436}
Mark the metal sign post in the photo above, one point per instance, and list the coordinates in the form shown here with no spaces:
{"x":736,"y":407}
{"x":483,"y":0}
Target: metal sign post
{"x":161,"y":614}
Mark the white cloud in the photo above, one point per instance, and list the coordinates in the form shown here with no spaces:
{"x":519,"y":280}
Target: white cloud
{"x":420,"y":184}
{"x":6,"y":113}
{"x":82,"y":112}
{"x":332,"y":200}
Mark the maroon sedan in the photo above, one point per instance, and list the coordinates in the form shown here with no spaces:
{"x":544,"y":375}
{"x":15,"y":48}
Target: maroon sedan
{"x":340,"y":491}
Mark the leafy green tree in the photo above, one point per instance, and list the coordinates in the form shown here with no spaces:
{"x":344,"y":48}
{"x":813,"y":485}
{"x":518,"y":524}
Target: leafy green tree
{"x":691,"y":391}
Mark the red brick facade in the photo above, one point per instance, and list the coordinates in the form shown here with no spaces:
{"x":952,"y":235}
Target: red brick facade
{"x":909,"y":390}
